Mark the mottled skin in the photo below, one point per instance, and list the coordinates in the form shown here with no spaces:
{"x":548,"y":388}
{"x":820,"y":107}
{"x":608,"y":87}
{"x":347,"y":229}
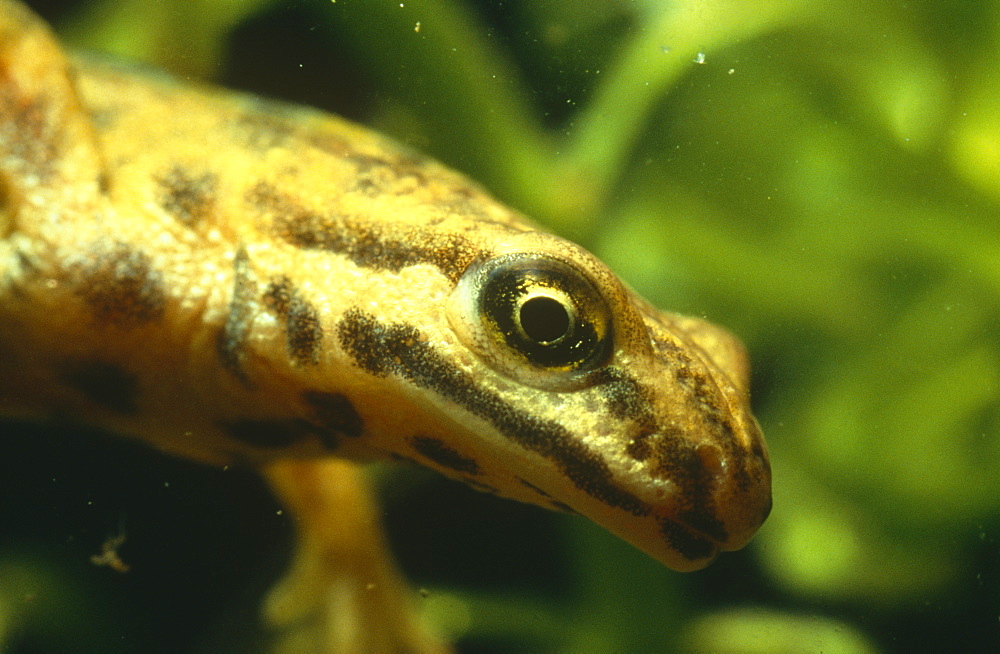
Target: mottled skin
{"x":240,"y":281}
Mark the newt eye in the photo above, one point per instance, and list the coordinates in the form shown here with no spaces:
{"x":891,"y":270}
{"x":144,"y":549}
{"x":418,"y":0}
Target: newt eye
{"x":531,"y":310}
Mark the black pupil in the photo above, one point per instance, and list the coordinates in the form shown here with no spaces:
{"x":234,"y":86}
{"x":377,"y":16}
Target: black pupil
{"x":544,"y":319}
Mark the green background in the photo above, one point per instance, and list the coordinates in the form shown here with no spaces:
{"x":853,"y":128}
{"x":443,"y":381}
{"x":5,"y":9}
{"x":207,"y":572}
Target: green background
{"x":822,"y":177}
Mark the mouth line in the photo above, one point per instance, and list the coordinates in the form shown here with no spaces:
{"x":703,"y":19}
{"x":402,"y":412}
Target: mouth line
{"x":715,"y":538}
{"x":691,"y":542}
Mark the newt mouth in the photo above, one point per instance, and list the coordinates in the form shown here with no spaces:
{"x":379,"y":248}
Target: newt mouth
{"x":691,"y":542}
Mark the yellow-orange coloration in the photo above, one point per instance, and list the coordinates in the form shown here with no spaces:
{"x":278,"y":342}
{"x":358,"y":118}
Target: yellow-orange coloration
{"x":241,"y":281}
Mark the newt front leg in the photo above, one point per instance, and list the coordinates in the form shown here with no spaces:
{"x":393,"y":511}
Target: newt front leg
{"x":342,"y":583}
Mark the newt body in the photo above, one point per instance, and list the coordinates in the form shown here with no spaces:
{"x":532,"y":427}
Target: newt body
{"x":236,"y":280}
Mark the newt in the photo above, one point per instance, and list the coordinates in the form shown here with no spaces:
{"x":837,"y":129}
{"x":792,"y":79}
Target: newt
{"x":244,"y":282}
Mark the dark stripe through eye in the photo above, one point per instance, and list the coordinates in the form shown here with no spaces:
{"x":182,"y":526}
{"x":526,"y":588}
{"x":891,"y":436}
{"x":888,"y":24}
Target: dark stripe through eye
{"x":399,"y":349}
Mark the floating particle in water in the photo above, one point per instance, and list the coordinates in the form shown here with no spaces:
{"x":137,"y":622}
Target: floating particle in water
{"x":699,"y":58}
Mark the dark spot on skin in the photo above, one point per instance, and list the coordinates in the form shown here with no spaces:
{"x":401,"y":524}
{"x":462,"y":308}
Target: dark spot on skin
{"x":625,"y":398}
{"x":364,"y":243}
{"x":188,"y":197}
{"x":367,"y":187}
{"x":231,"y":344}
{"x":638,"y":446}
{"x":335,"y":412}
{"x":120,"y":286}
{"x":104,"y":118}
{"x":303,"y":331}
{"x":278,"y":433}
{"x":103,"y":182}
{"x":709,"y":405}
{"x":6,"y":225}
{"x":28,"y":133}
{"x":399,"y":349}
{"x":438,"y":452}
{"x":546,"y":498}
{"x":697,"y":383}
{"x":105,"y":384}
{"x":688,"y":544}
{"x":528,"y":484}
{"x":481,"y":487}
{"x":381,"y":175}
{"x":278,"y":295}
{"x":694,"y":470}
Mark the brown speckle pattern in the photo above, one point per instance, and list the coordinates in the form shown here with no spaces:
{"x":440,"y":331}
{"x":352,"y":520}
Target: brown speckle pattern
{"x":335,"y":412}
{"x":186,"y":195}
{"x":439,"y":452}
{"x":376,"y":174}
{"x":27,"y":133}
{"x":167,"y":180}
{"x":120,"y":285}
{"x":689,"y":544}
{"x":673,"y":457}
{"x":303,"y":331}
{"x":536,"y":489}
{"x":362,"y":241}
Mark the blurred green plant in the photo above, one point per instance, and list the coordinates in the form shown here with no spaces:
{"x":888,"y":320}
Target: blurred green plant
{"x":822,"y":177}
